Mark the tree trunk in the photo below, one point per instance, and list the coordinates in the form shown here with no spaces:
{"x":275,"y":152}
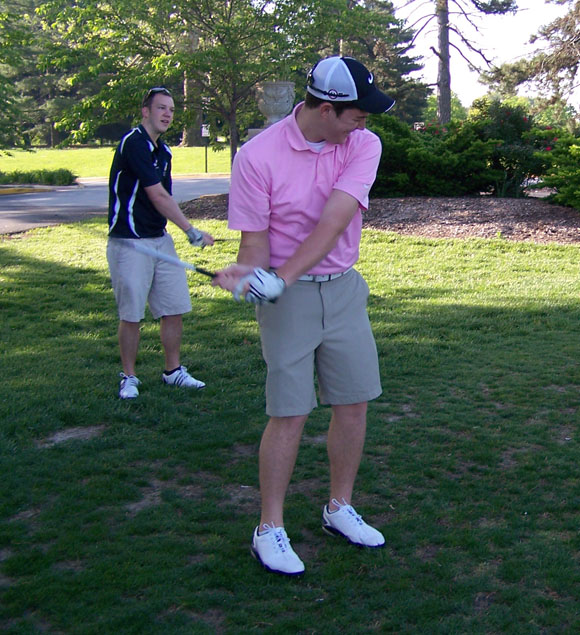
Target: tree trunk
{"x":191,"y":135}
{"x":234,"y":137}
{"x":443,"y":74}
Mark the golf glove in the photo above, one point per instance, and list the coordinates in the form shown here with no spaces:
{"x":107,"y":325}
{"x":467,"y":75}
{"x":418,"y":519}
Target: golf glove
{"x":265,"y":286}
{"x":195,"y":237}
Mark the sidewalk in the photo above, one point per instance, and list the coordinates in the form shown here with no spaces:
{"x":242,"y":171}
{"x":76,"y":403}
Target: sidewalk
{"x":24,"y":207}
{"x":82,"y":181}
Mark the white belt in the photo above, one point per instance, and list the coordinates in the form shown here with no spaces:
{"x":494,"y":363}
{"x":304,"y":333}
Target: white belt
{"x":323,"y":277}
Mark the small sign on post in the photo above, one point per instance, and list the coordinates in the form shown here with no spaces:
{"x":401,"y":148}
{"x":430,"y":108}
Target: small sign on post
{"x":205,"y":135}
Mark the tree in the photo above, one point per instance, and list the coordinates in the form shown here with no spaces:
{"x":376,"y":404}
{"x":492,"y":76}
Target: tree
{"x":554,"y":69}
{"x":458,"y":111}
{"x":558,"y":66}
{"x":212,"y":53}
{"x":384,"y":49}
{"x":13,"y":38}
{"x":449,"y":28}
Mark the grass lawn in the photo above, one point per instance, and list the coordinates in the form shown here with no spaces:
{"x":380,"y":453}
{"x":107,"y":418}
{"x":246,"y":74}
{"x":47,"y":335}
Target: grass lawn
{"x":85,"y":162}
{"x":136,"y":517}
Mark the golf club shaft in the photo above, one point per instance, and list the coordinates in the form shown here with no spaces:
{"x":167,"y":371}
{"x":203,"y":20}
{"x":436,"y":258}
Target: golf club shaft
{"x":170,"y":259}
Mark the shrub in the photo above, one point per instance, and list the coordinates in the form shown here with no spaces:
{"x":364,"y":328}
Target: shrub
{"x":563,"y":173}
{"x":515,"y":159}
{"x":435,"y":161}
{"x":498,"y":151}
{"x":38,"y":177}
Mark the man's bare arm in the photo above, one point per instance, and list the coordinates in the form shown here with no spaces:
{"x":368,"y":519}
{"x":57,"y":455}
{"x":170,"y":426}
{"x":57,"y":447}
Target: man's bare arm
{"x":255,"y":249}
{"x":166,"y":205}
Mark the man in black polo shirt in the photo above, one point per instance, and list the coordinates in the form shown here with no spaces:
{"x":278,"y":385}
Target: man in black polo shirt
{"x":140,"y":203}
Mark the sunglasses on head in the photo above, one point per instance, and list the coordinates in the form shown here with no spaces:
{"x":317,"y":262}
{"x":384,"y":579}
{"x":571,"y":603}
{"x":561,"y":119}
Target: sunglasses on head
{"x":158,"y":90}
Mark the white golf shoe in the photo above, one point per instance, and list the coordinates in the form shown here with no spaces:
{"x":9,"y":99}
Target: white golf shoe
{"x":128,"y":388}
{"x":347,"y":523}
{"x":273,"y":551}
{"x":181,"y":377}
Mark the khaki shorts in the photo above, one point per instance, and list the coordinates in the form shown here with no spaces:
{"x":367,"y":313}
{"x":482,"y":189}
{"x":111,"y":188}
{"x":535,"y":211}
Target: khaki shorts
{"x":138,"y":278}
{"x":322,"y":326}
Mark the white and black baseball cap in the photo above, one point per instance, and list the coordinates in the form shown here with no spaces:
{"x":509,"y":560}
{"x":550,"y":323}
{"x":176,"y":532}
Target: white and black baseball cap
{"x":345,"y":79}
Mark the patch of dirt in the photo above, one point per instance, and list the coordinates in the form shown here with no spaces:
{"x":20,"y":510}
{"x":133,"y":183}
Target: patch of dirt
{"x":525,"y":219}
{"x":71,"y":434}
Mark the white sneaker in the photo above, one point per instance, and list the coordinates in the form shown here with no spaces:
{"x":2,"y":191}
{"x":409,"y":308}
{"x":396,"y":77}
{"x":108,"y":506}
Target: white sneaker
{"x":347,"y":523}
{"x":128,"y":388}
{"x":182,"y":378}
{"x":272,"y":549}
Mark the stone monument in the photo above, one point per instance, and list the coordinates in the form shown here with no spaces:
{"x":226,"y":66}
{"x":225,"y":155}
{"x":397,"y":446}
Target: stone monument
{"x":275,"y":101}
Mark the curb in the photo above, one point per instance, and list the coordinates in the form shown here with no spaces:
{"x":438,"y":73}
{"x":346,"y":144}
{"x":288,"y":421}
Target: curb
{"x":25,"y":189}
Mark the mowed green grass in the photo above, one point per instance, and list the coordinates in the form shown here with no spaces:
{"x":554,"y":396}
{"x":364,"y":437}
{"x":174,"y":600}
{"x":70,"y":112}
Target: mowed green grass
{"x":94,"y":162}
{"x":136,"y":517}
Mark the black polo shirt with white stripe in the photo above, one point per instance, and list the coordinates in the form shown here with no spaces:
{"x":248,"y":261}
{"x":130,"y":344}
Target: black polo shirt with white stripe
{"x":138,"y":163}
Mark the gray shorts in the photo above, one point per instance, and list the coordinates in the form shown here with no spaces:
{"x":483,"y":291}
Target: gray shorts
{"x":322,"y":326}
{"x":138,"y":278}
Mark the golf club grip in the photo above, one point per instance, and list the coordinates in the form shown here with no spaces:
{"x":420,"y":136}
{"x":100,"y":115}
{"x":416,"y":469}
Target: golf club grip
{"x":205,"y":272}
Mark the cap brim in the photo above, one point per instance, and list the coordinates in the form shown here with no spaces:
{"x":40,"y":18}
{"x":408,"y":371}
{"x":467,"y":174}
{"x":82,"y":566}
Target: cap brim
{"x":376,"y":103}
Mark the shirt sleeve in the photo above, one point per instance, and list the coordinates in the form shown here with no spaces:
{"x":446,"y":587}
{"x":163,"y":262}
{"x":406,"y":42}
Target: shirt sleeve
{"x":360,"y":170}
{"x":249,"y":195}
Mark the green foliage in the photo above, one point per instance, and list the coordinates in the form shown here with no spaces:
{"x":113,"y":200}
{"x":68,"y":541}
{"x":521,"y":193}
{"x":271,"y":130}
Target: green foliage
{"x":13,"y":39}
{"x":514,"y":159}
{"x":498,"y":150}
{"x":553,"y":69}
{"x":212,"y":54}
{"x":436,"y":161}
{"x":449,"y":26}
{"x":458,"y":110}
{"x":495,"y":7}
{"x":40,"y":177}
{"x":564,"y":172}
{"x":499,"y":120}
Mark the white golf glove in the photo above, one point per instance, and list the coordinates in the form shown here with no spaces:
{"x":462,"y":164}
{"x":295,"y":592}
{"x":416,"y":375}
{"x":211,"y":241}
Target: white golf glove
{"x":195,"y":237}
{"x":265,"y":286}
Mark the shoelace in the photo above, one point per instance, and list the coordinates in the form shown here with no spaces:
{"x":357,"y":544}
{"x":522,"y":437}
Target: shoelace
{"x":278,"y":536}
{"x":130,"y":380}
{"x":349,"y":509}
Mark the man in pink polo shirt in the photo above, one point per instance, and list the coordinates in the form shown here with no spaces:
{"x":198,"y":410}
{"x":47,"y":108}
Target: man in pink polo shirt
{"x":297,"y":191}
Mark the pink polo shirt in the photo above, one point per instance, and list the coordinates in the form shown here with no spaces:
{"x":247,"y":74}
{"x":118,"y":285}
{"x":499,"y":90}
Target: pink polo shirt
{"x":279,"y":183}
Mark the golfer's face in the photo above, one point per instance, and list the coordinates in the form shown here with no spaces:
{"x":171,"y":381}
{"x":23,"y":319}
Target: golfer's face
{"x":349,"y":120}
{"x":160,"y":113}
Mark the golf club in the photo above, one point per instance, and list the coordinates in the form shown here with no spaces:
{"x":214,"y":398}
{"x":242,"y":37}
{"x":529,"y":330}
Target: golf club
{"x":170,"y":259}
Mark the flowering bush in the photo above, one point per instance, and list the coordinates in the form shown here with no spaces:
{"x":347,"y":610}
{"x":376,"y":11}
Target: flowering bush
{"x":514,"y":158}
{"x":563,"y":172}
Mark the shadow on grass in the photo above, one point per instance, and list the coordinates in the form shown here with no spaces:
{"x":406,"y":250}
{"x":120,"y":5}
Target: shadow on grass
{"x":471,"y":470}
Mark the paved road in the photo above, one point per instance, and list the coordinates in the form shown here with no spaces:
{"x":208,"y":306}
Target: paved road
{"x":44,"y":207}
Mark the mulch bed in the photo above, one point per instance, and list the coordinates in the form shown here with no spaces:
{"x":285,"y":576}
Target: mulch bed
{"x":524,"y":219}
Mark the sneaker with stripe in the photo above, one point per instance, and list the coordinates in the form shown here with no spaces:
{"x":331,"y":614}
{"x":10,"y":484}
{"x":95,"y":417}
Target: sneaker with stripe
{"x":128,"y":388}
{"x":347,"y":523}
{"x":180,"y":377}
{"x":272,"y":550}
